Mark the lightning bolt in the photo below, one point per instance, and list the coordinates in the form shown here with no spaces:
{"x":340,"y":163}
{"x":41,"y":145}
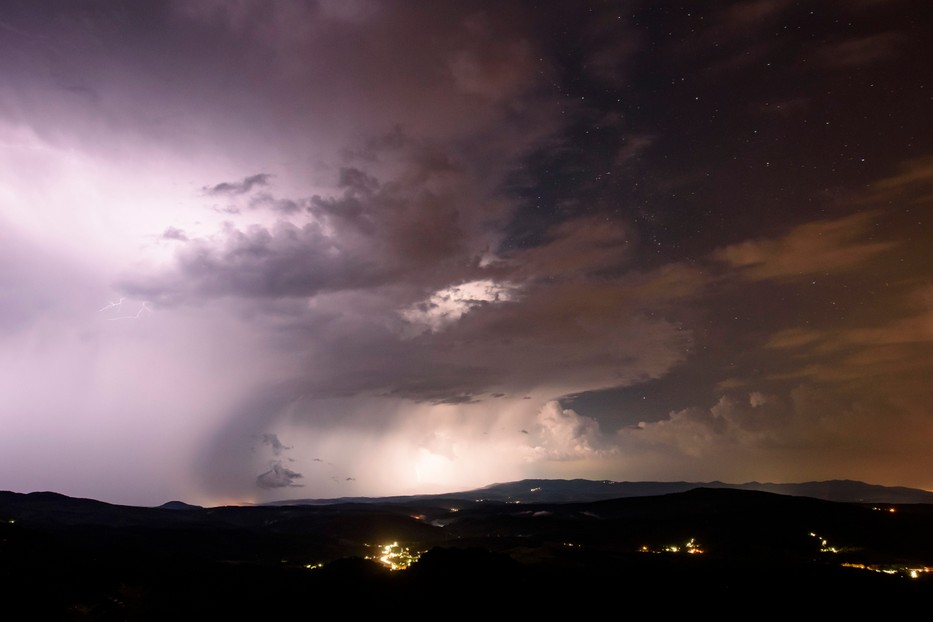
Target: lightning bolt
{"x":143,"y":307}
{"x":112,"y":305}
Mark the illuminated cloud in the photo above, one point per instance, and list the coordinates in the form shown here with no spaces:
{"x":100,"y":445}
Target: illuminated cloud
{"x":562,"y":434}
{"x":812,"y":248}
{"x":813,"y":433}
{"x":449,"y":305}
{"x":865,"y":353}
{"x":913,"y":181}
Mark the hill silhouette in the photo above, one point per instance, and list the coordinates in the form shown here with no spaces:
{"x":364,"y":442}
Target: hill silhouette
{"x":579,"y":490}
{"x":80,"y":558}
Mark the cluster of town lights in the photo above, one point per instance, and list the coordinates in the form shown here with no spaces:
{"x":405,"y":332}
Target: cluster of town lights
{"x":395,"y":556}
{"x":913,"y":573}
{"x":824,"y":544}
{"x":691,"y":547}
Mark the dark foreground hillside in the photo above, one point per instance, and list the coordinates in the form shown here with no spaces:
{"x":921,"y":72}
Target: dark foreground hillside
{"x":721,"y":550}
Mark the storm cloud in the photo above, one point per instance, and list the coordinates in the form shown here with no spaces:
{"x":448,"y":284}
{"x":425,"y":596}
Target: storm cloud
{"x":381,"y":248}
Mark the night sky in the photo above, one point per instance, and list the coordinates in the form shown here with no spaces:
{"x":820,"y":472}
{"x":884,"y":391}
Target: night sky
{"x":258,"y":250}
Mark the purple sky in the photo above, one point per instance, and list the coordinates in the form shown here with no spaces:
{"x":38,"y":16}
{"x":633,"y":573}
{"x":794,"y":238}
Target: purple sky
{"x":290,"y":249}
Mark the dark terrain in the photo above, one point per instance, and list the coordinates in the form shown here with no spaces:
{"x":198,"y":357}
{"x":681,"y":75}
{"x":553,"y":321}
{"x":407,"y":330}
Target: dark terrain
{"x":66,"y":558}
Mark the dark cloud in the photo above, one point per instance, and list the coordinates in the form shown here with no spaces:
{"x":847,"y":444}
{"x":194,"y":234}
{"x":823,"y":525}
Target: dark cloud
{"x":235,"y":188}
{"x":286,"y":260}
{"x":265,"y":200}
{"x":273,"y":441}
{"x":278,"y":476}
{"x":423,"y":227}
{"x":174,"y":233}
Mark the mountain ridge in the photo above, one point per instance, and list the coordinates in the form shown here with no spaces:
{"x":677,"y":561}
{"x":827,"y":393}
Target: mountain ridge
{"x":729,"y":545}
{"x":583,"y":490}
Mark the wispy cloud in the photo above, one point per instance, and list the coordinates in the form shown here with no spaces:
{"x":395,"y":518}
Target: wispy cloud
{"x":812,"y":248}
{"x":235,"y":188}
